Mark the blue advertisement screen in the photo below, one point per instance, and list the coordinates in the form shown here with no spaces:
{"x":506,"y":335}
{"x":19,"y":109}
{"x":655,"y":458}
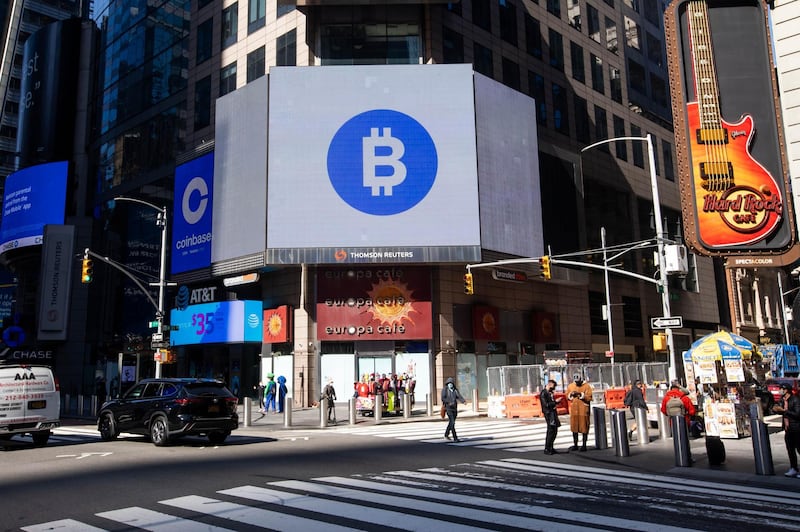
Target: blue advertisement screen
{"x":221,"y":322}
{"x":191,"y":230}
{"x":33,"y":198}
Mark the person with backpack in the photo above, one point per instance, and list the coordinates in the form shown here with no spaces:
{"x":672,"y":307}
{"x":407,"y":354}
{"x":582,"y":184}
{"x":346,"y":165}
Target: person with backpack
{"x":269,"y":393}
{"x":677,"y":403}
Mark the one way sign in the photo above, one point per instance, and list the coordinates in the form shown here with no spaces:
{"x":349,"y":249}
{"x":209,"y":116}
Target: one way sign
{"x":673,"y":322}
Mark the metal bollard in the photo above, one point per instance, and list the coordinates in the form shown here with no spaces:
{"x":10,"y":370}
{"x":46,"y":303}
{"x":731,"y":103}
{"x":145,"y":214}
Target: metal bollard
{"x":600,"y":427}
{"x":664,"y":427}
{"x":762,"y":450}
{"x":680,"y":441}
{"x":619,"y":430}
{"x":66,"y":406}
{"x":407,"y":406}
{"x":475,"y":404}
{"x":351,"y":406}
{"x":80,"y":405}
{"x":323,"y":412}
{"x":95,"y":406}
{"x":287,"y":411}
{"x":248,"y":418}
{"x":428,"y":405}
{"x":642,"y":426}
{"x":378,"y":412}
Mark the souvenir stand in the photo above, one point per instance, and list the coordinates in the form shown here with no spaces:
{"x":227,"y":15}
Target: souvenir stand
{"x":717,"y":374}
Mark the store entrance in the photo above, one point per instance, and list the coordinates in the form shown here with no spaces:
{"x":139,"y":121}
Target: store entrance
{"x":379,"y":365}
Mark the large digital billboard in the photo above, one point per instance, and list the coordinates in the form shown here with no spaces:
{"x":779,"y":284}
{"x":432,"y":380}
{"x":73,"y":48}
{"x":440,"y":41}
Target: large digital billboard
{"x":191,"y":229}
{"x":390,"y":156}
{"x":33,"y":198}
{"x":221,"y":322}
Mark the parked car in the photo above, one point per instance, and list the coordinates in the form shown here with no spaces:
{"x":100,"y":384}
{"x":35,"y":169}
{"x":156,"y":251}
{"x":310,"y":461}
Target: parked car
{"x":166,"y":409}
{"x":774,"y":386}
{"x":30,"y":402}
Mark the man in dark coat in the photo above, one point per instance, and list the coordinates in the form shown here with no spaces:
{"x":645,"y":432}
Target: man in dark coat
{"x":789,"y":407}
{"x":550,"y":412}
{"x":450,"y":399}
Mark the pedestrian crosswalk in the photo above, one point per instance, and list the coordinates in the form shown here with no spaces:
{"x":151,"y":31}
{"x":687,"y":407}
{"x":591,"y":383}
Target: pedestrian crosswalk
{"x":508,"y":435}
{"x":512,"y":494}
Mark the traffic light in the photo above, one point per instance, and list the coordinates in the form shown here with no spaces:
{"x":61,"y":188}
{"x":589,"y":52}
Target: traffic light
{"x":544,"y":262}
{"x":86,"y":271}
{"x":468,"y":287}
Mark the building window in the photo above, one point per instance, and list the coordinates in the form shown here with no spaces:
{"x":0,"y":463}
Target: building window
{"x":657,"y":168}
{"x":454,"y":7}
{"x":652,"y":13}
{"x":621,"y":147}
{"x":615,"y":83}
{"x":202,"y":103}
{"x":632,"y":316}
{"x":205,"y":32}
{"x":285,"y":7}
{"x":633,"y":4}
{"x":574,"y":14}
{"x":594,"y":22}
{"x":286,"y":49}
{"x":369,"y":44}
{"x":508,"y":22}
{"x":581,"y":119}
{"x":511,"y":74}
{"x":482,"y":62}
{"x":598,"y":325}
{"x":636,"y":77}
{"x":611,"y":35}
{"x":554,"y":8}
{"x":230,"y":25}
{"x":654,"y":53}
{"x":638,"y":147}
{"x":576,"y":58}
{"x":556,"y":50}
{"x":560,"y":110}
{"x":597,"y":73}
{"x":533,"y":37}
{"x":255,"y":64}
{"x":453,"y":44}
{"x":481,"y":14}
{"x":536,"y":91}
{"x":227,"y":79}
{"x":600,"y":127}
{"x":256,"y":15}
{"x":666,"y":153}
{"x":632,"y":33}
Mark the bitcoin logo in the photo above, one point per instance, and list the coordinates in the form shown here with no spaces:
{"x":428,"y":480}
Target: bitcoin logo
{"x":382,"y":162}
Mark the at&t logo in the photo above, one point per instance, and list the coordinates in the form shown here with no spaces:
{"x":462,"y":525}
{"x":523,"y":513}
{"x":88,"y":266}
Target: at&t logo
{"x":382,"y":162}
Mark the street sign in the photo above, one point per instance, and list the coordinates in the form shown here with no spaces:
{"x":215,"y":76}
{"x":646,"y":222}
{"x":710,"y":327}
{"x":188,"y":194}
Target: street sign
{"x":158,"y":337}
{"x":159,"y":345}
{"x":153,"y":324}
{"x":673,"y":322}
{"x":609,"y":354}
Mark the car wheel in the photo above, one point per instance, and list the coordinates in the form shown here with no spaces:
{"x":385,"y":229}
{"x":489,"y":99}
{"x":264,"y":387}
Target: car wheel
{"x":159,"y":432}
{"x":107,"y":427}
{"x":217,"y":437}
{"x":40,"y":438}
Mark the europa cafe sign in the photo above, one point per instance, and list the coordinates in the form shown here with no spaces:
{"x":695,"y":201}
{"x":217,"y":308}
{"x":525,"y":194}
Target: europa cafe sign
{"x":374,"y":303}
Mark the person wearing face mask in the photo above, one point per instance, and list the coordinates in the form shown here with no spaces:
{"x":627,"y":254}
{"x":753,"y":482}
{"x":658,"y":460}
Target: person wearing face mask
{"x":450,"y":399}
{"x":579,"y":394}
{"x":550,"y":412}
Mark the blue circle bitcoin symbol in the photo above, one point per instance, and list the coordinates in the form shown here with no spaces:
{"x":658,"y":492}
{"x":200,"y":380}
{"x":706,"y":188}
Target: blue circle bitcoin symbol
{"x":382,"y":162}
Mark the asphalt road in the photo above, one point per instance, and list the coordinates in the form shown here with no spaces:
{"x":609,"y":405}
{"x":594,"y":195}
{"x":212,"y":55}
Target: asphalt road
{"x":349,"y":479}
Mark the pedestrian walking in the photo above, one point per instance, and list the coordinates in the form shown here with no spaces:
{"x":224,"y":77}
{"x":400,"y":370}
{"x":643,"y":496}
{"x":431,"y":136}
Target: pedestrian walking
{"x":789,"y":408}
{"x":450,"y":399}
{"x":269,"y":393}
{"x":260,"y":390}
{"x":579,"y":394}
{"x":329,"y":393}
{"x":550,"y":411}
{"x":282,"y":392}
{"x":634,"y":399}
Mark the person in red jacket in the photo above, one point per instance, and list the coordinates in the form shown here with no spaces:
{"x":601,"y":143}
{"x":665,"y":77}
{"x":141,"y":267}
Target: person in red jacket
{"x":677,"y":403}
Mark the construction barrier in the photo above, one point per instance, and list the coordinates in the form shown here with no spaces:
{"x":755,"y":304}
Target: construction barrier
{"x":615,"y":398}
{"x":496,"y":406}
{"x":522,"y":406}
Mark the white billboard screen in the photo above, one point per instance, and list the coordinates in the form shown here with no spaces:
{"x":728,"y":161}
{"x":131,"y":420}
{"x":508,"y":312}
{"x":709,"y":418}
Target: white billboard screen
{"x":372,"y":164}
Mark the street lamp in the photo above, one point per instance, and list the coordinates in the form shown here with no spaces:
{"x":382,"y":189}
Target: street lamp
{"x":660,"y":237}
{"x":161,"y":221}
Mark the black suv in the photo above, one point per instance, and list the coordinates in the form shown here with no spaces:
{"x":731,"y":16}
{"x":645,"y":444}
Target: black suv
{"x":165,"y":409}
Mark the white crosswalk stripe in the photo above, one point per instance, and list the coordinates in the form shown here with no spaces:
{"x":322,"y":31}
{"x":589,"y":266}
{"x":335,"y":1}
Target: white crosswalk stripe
{"x":509,"y":494}
{"x":501,"y":434}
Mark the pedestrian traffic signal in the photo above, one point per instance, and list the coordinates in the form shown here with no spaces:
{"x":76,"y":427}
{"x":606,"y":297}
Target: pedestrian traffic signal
{"x":544,"y":262}
{"x":87,"y":271}
{"x":468,"y":286}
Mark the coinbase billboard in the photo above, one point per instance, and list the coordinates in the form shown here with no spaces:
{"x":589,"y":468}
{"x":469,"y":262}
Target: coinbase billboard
{"x":33,"y":198}
{"x":191,"y":230}
{"x":387,"y":173}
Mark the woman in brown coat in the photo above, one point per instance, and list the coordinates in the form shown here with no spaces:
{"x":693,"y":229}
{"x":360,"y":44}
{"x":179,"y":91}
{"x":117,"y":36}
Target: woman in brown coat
{"x":579,"y":394}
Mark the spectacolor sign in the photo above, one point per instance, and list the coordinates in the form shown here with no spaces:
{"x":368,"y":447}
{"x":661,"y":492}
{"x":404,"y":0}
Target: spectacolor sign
{"x":382,"y":162}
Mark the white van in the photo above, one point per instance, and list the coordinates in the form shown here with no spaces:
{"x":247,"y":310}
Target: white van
{"x":30,"y":402}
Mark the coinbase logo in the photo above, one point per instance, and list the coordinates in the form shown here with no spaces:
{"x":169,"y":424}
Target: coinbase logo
{"x":382,"y":162}
{"x":192,"y":215}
